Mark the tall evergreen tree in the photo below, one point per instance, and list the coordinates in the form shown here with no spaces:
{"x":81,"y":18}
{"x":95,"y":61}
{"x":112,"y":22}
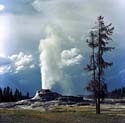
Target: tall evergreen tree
{"x":11,"y":96}
{"x":8,"y":99}
{"x":99,"y":40}
{"x":27,"y":95}
{"x":5,"y":94}
{"x":16,"y":95}
{"x":1,"y":95}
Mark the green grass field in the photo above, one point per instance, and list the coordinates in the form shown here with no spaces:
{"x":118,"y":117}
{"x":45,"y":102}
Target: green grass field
{"x":64,"y":114}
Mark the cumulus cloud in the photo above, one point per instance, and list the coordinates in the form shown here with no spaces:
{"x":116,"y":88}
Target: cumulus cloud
{"x":21,"y":62}
{"x":18,"y":62}
{"x":5,"y":69}
{"x":71,"y":57}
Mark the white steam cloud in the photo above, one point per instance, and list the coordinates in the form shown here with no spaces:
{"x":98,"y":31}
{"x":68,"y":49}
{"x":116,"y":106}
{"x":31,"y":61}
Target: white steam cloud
{"x":50,"y":49}
{"x":57,"y":57}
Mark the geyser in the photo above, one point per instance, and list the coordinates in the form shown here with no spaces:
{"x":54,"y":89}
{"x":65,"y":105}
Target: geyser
{"x":49,"y":58}
{"x":61,"y":62}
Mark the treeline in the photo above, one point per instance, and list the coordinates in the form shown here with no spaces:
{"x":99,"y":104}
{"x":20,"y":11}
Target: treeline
{"x":7,"y":95}
{"x":117,"y":93}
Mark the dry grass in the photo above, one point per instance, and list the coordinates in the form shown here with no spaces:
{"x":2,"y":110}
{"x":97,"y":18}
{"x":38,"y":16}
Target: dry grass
{"x":64,"y":114}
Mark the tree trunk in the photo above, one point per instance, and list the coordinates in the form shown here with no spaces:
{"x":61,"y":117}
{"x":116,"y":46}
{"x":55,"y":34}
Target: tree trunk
{"x":99,"y":73}
{"x":98,"y":106}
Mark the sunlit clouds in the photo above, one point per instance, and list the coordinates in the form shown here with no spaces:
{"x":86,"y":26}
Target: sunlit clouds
{"x":16,"y":63}
{"x":4,"y":33}
{"x":2,"y":7}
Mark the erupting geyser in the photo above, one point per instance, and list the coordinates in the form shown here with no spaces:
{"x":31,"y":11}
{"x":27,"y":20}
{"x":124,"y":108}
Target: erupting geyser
{"x":60,"y":62}
{"x":49,"y":58}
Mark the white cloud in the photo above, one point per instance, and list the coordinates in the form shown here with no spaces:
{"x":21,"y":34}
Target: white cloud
{"x":19,"y":68}
{"x":71,"y":57}
{"x":5,"y":69}
{"x":21,"y":59}
{"x":19,"y":62}
{"x":32,"y":66}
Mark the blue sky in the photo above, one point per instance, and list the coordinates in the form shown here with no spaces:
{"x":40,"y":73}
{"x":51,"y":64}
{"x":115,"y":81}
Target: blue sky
{"x":51,"y":34}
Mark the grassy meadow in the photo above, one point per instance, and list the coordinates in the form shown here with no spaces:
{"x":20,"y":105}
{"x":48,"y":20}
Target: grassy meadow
{"x":65,"y":114}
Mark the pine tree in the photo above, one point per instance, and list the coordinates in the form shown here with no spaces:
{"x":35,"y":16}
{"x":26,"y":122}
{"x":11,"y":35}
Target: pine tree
{"x":20,"y":95}
{"x":16,"y":95}
{"x":1,"y":95}
{"x":8,"y":94}
{"x":11,"y":96}
{"x":27,"y":95}
{"x":4,"y":95}
{"x":98,"y":42}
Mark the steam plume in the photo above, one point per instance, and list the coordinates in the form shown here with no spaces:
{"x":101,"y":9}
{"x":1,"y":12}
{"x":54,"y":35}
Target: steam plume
{"x":58,"y":57}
